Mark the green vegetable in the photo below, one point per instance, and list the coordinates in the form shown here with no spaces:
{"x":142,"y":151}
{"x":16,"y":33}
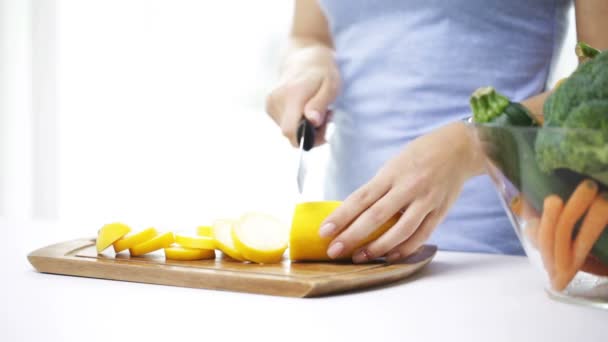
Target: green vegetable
{"x":552,"y":160}
{"x":489,"y":106}
{"x":585,"y":51}
{"x":510,"y":148}
{"x":581,"y":105}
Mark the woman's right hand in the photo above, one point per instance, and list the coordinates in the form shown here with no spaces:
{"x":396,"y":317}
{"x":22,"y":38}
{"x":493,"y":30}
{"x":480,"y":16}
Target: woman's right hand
{"x":309,"y":83}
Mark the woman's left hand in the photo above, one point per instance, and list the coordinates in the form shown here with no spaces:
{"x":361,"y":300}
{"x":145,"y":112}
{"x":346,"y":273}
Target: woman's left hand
{"x":422,"y":181}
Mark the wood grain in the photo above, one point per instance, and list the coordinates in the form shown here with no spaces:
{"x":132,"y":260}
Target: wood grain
{"x":79,"y":258}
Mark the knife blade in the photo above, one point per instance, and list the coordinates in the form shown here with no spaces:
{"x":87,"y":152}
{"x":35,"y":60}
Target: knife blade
{"x":306,"y":138}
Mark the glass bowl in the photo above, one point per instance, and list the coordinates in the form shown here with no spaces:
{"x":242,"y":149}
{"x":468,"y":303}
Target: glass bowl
{"x":557,"y":214}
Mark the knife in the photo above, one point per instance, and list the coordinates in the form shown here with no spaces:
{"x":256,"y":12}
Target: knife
{"x":306,"y":137}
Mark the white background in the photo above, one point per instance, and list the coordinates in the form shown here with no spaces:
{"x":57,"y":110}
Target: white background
{"x":148,"y":112}
{"x":161,"y":105}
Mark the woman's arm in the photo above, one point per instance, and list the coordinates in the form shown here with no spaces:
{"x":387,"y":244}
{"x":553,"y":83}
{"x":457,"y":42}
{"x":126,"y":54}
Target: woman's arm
{"x":309,"y":27}
{"x":591,"y":28}
{"x":592,"y":23}
{"x":309,"y":77}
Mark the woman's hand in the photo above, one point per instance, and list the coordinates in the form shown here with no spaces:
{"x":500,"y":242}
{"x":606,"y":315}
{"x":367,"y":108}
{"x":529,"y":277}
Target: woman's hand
{"x":309,"y":83}
{"x":422,"y":181}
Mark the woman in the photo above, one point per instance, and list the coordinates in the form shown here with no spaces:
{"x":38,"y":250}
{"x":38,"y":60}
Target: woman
{"x":398,"y":75}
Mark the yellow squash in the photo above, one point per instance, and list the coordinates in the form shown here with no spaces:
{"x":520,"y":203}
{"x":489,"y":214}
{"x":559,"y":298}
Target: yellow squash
{"x":159,"y":242}
{"x":304,"y":240}
{"x":222,"y":233}
{"x":260,"y":238}
{"x":134,"y":239}
{"x":110,"y":233}
{"x":200,"y":242}
{"x":204,"y":231}
{"x":187,"y":254}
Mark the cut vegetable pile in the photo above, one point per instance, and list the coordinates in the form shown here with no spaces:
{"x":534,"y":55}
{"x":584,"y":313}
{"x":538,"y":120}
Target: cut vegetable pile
{"x":254,"y":237}
{"x":559,"y":168}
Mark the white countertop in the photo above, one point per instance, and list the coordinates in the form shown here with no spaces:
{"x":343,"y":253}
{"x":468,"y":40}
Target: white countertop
{"x":458,"y":297}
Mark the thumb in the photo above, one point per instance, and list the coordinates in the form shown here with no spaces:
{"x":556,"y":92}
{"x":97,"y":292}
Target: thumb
{"x":315,"y":109}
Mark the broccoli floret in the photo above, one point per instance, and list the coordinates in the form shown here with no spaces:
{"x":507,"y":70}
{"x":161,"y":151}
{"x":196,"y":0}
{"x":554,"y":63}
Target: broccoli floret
{"x":580,"y":102}
{"x":583,"y":50}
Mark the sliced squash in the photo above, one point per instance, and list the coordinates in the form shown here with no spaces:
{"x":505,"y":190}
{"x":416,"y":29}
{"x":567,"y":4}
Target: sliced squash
{"x":222,"y":233}
{"x":110,"y":233}
{"x":200,"y":242}
{"x":135,"y":239}
{"x":159,"y":242}
{"x":260,"y":238}
{"x":187,"y":254}
{"x":204,"y":231}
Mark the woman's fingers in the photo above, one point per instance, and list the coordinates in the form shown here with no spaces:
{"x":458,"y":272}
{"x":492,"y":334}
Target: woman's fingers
{"x":274,"y":101}
{"x":307,"y":92}
{"x":352,"y":207}
{"x":417,"y":239}
{"x":295,"y":98}
{"x":316,"y":108}
{"x":285,"y":104}
{"x":369,"y":221}
{"x":405,"y":227}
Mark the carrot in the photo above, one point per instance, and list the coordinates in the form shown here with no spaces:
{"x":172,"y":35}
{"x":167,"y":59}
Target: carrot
{"x":522,"y":208}
{"x":590,"y":265}
{"x":594,"y":224}
{"x":561,"y":279}
{"x":552,"y":209}
{"x":578,"y":203}
{"x":528,"y":212}
{"x":516,"y":205}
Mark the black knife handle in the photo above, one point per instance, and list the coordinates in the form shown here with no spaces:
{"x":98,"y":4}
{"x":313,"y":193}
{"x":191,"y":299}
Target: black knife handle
{"x":306,"y":128}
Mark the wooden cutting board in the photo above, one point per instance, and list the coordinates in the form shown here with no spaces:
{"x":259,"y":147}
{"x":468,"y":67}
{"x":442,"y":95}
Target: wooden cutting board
{"x":79,"y":258}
